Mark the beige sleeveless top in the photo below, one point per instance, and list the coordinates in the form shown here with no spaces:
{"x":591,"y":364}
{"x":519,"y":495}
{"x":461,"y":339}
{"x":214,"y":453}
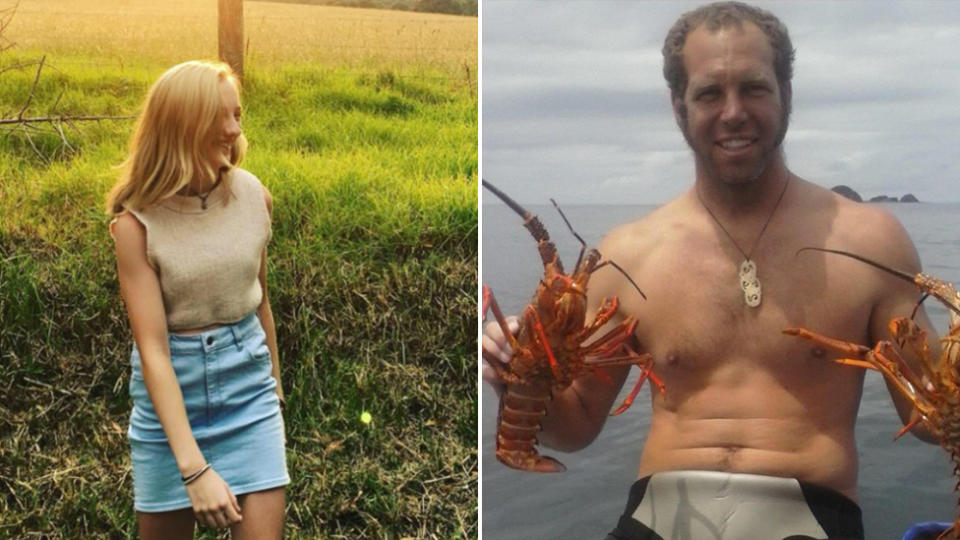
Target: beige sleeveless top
{"x":208,"y":261}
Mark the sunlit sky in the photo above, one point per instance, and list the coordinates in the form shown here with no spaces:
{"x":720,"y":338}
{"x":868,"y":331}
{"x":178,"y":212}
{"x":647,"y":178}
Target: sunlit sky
{"x":574,"y":104}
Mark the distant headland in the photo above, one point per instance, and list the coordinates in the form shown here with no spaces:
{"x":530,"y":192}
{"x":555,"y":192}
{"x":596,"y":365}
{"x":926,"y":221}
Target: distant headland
{"x":849,"y":193}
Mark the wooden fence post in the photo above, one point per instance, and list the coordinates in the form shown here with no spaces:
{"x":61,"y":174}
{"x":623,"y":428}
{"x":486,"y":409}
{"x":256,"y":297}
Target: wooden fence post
{"x":230,"y":34}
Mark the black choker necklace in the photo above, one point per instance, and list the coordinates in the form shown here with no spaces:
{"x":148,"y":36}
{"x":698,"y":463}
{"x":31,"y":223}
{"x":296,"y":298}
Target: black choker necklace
{"x":203,"y":196}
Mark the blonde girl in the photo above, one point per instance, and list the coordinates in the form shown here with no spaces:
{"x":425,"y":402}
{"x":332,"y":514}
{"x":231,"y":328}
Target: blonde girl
{"x":190,"y":230}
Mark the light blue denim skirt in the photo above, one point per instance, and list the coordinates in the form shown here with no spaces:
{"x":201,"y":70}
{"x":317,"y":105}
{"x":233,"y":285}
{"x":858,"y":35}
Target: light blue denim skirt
{"x":229,"y":392}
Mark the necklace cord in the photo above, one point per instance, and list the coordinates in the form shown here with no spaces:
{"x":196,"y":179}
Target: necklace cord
{"x":203,"y":196}
{"x":730,"y":236}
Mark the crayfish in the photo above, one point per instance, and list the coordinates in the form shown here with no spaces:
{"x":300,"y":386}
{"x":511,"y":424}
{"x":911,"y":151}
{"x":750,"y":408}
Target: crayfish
{"x":935,"y":392}
{"x":549,"y":351}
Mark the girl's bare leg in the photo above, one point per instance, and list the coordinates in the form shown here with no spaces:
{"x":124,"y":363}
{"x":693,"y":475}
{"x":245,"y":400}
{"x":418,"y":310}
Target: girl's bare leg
{"x":172,"y":525}
{"x":263,"y":515}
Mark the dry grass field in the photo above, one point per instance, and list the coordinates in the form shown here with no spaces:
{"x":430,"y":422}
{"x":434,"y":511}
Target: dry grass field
{"x":170,"y":31}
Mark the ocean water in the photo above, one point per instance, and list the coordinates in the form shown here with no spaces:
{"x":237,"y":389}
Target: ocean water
{"x":901,"y":482}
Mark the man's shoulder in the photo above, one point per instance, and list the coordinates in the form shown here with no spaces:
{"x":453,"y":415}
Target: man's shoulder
{"x":645,"y":231}
{"x":634,"y":235}
{"x":634,"y":246}
{"x":868,"y":222}
{"x":867,"y":229}
{"x":822,"y":203}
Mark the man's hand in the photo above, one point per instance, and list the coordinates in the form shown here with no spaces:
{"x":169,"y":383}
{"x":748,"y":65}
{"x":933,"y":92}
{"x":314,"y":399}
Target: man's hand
{"x":496,"y":348}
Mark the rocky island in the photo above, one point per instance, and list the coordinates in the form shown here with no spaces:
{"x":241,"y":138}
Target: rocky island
{"x":851,"y":194}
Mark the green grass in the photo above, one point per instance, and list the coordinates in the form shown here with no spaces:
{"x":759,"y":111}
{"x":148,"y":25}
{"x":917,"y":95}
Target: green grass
{"x":373,"y":272}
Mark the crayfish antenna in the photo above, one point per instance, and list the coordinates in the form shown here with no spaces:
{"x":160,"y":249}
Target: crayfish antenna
{"x":893,"y":271}
{"x":486,"y":303}
{"x":919,"y":280}
{"x":583,"y":244}
{"x":526,"y":215}
{"x":919,"y":302}
{"x":622,"y":271}
{"x":630,"y":279}
{"x":548,"y":252}
{"x":583,"y":249}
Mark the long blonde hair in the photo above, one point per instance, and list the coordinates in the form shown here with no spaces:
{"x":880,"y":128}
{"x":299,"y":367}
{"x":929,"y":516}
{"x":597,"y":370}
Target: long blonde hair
{"x":172,"y":133}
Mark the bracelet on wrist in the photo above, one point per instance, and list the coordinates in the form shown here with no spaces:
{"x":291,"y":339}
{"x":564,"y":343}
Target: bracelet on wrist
{"x":191,"y":477}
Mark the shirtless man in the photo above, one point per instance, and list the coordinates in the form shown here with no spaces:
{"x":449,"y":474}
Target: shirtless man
{"x":767,"y":415}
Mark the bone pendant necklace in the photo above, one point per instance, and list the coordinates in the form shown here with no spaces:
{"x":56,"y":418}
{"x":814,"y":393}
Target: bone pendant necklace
{"x":749,"y":282}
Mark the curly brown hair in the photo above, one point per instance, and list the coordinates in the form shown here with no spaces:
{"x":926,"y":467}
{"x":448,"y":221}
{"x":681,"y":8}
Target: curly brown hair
{"x":725,"y":15}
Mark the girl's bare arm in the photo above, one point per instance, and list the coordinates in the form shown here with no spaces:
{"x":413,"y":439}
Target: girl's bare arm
{"x":265,"y":313}
{"x":211,"y":498}
{"x":140,"y":288}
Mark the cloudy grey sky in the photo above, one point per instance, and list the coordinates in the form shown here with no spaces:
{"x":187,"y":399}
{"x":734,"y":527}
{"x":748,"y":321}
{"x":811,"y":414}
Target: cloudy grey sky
{"x":574,"y":105}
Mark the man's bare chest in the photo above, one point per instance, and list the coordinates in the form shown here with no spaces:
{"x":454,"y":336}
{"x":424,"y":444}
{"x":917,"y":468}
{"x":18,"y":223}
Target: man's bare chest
{"x":695,"y":316}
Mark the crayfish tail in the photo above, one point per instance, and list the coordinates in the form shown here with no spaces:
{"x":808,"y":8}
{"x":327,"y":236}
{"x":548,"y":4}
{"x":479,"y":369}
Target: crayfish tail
{"x":547,"y":464}
{"x":532,"y":462}
{"x":517,"y":425}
